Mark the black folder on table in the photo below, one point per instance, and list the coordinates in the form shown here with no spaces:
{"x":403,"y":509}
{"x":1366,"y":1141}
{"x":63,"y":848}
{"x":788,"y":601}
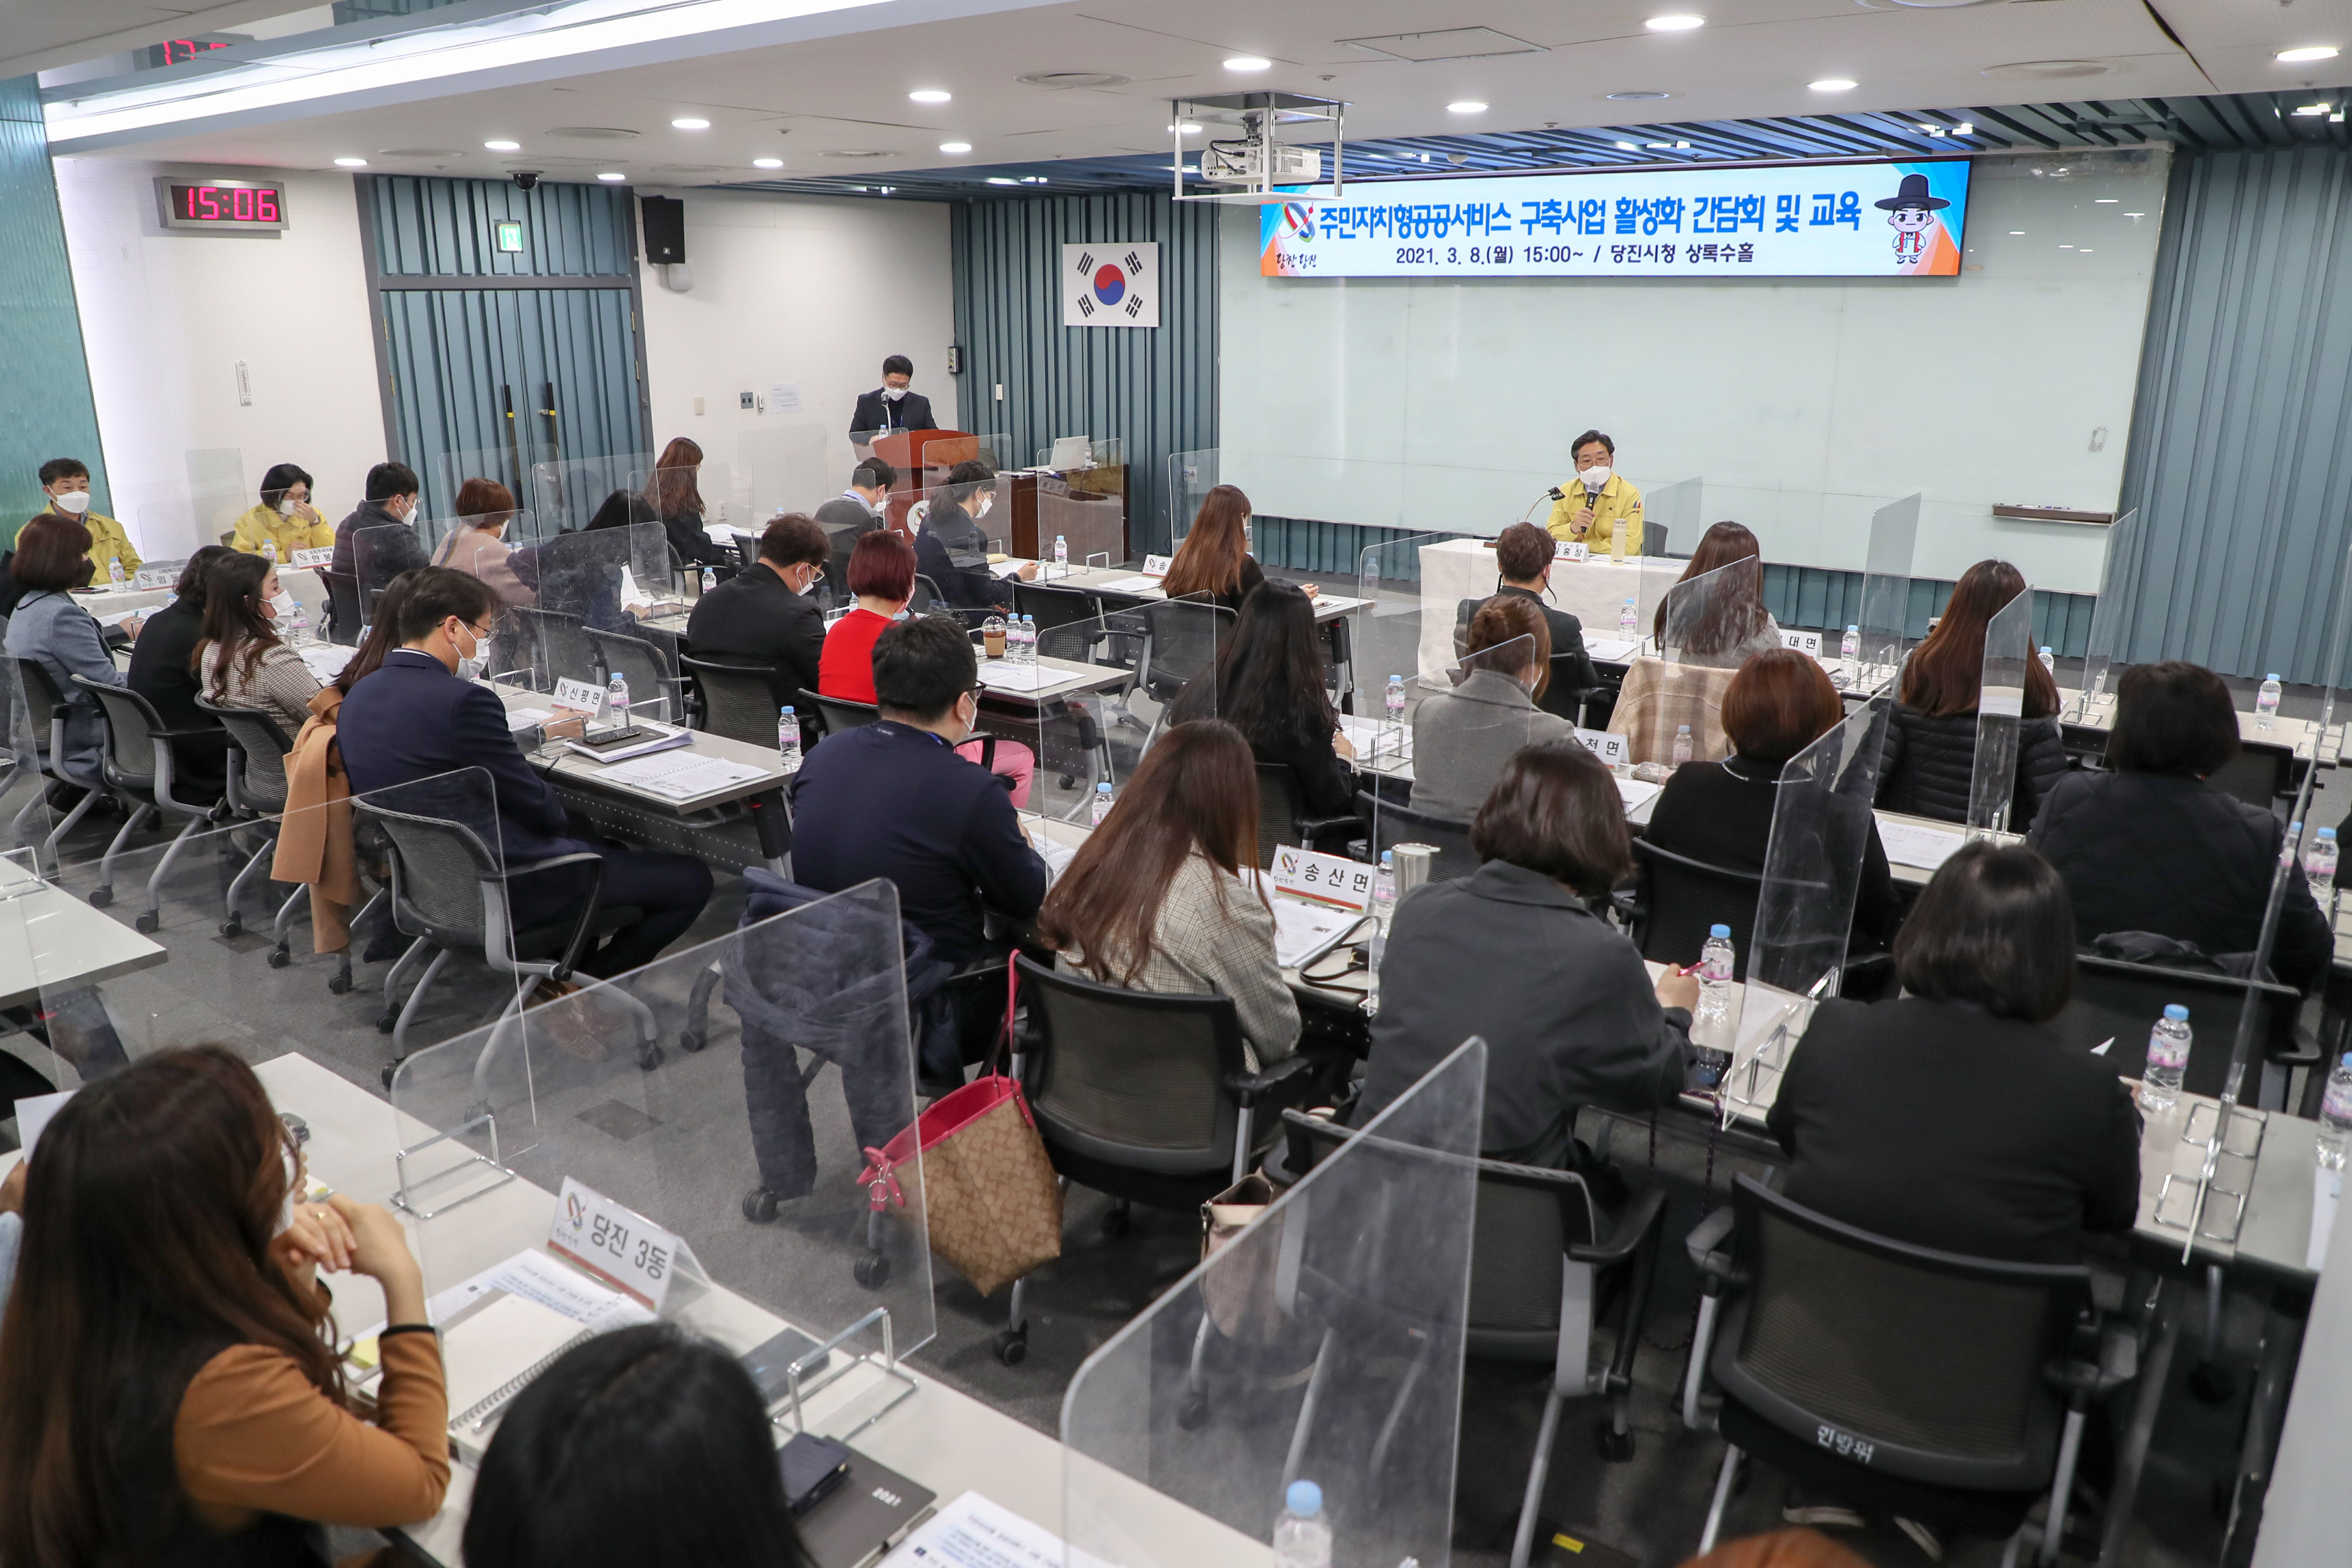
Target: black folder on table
{"x":865,"y":1517}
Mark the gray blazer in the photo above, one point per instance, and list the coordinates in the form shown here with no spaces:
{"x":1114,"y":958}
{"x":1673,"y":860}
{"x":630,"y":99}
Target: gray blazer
{"x":1462,"y":738}
{"x":58,"y":632}
{"x":1562,"y":1001}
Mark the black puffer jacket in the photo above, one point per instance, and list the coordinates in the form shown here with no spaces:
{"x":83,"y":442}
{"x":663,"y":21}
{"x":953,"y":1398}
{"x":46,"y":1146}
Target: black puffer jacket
{"x":2175,"y":856}
{"x":1929,"y":762}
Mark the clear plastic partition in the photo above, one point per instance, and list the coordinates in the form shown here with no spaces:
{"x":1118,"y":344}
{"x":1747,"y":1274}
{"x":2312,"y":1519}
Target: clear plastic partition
{"x":1074,"y":705}
{"x":1407,"y":609}
{"x":1886,"y":621}
{"x":596,"y":1156}
{"x":2001,"y":713}
{"x":605,"y":608}
{"x":566,"y":492}
{"x":59,"y":1055}
{"x":1190,"y":477}
{"x":161,"y":575}
{"x":1438,"y":765}
{"x":378,"y":554}
{"x":1324,"y":1342}
{"x":514,"y":466}
{"x":217,"y":495}
{"x":945,"y":518}
{"x":494,"y":546}
{"x":703,"y":495}
{"x":782,"y":469}
{"x":1717,"y":618}
{"x":2111,"y":618}
{"x":1076,"y":522}
{"x":348,"y":933}
{"x":1673,"y":519}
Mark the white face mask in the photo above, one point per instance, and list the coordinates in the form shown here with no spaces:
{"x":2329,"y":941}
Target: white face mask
{"x":286,"y":505}
{"x":469,"y":665}
{"x":985,"y":502}
{"x":282,"y":604}
{"x":73,"y":503}
{"x":894,"y":392}
{"x":1595,"y":477}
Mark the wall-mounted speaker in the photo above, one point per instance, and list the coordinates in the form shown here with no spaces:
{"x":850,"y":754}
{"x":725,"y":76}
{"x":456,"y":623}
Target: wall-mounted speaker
{"x":664,"y":228}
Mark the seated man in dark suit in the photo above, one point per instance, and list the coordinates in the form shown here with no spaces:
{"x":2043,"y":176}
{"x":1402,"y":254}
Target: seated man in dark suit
{"x":951,"y":548}
{"x":162,"y":670}
{"x":851,"y":516}
{"x":766,"y":617}
{"x":1523,"y":557}
{"x":893,"y":799}
{"x":416,"y":719}
{"x":891,"y":407}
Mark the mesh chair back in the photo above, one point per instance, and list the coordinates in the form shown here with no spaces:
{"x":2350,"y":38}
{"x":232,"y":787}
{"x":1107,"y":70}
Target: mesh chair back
{"x":928,"y":598}
{"x":563,"y":644}
{"x":1133,"y":1079}
{"x":1654,"y":539}
{"x":343,"y":603}
{"x":437,"y":868}
{"x":1929,"y":1362}
{"x":739,"y":701}
{"x":1393,"y":825}
{"x":256,"y":734}
{"x":747,"y":552}
{"x":1050,"y":606}
{"x":131,"y":726}
{"x":835,"y":715}
{"x":1563,"y":694}
{"x":1181,"y":640}
{"x":2120,"y":1001}
{"x":1680,"y":898}
{"x":1281,"y":803}
{"x":42,"y":699}
{"x":638,"y":662}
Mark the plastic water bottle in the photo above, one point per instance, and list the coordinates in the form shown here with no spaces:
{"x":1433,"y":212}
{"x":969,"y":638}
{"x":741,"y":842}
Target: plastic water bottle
{"x":1028,"y":640}
{"x":2335,"y":1115}
{"x":1393,"y":698}
{"x":269,"y":550}
{"x":1681,"y":744}
{"x":710,"y":579}
{"x":2167,"y":1059}
{"x":114,"y":572}
{"x":617,"y":697}
{"x":1061,"y":554}
{"x":2050,"y":662}
{"x":788,"y":738}
{"x":1629,"y":624}
{"x":1716,"y":962}
{"x":2267,"y":703}
{"x":1302,"y":1536}
{"x":298,"y":626}
{"x":1102,"y":805}
{"x":1850,"y":650}
{"x":1383,"y":910}
{"x":2319,"y":870}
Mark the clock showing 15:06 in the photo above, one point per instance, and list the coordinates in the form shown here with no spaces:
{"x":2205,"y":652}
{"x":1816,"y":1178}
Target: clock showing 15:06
{"x":194,"y":204}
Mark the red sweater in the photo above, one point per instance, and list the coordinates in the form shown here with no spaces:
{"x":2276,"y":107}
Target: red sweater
{"x":847,"y":670}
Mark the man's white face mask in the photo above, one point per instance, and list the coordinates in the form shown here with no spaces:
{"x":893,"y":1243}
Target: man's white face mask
{"x":73,"y":503}
{"x":1595,"y":477}
{"x":894,"y":392}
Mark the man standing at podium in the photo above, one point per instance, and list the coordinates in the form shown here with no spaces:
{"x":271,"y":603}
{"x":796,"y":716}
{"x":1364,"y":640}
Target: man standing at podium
{"x":891,"y":407}
{"x":1597,"y":500}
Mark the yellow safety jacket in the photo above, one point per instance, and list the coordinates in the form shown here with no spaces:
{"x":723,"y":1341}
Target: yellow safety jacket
{"x":289,"y":533}
{"x":1618,"y":502}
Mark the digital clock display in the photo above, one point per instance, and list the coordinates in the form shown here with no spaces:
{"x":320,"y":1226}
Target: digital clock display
{"x":242,"y":207}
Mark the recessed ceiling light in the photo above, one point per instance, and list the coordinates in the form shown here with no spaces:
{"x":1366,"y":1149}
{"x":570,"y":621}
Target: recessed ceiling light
{"x":930,"y":95}
{"x":1187,"y":128}
{"x":689,"y":122}
{"x":1831,"y":84}
{"x":351,"y":162}
{"x":2296,"y":57}
{"x":766,"y":163}
{"x":1036,"y":179}
{"x":2312,"y":109}
{"x":2065,"y":248}
{"x":1628,"y":146}
{"x":2017,"y":231}
{"x":503,"y":146}
{"x":1001,"y":180}
{"x":1964,"y":128}
{"x":1641,"y":95}
{"x":2107,"y":201}
{"x":2085,"y":251}
{"x":1658,"y":146}
{"x":612,"y":177}
{"x":2134,"y":215}
{"x":1248,"y":63}
{"x":1466,"y":106}
{"x":1681,"y":22}
{"x":955,"y":146}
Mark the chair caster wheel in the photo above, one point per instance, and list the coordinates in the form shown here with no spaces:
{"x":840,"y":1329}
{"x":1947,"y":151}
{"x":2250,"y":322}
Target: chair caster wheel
{"x":100,"y":897}
{"x":1069,"y":781}
{"x":1194,"y":1414}
{"x":691,"y":1041}
{"x":1011,"y":1346}
{"x":872,"y":1270}
{"x":339,"y":983}
{"x":649,"y":1058}
{"x":390,"y":1070}
{"x":147,"y":920}
{"x":1615,"y":1447}
{"x":2211,"y":1384}
{"x":281,"y":957}
{"x":1117,"y":1223}
{"x":760,"y":1206}
{"x":233,"y":926}
{"x":384,"y":1025}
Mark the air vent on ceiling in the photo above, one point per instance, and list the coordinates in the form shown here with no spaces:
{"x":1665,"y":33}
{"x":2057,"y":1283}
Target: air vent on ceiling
{"x":1073,"y":78}
{"x":593,"y":133}
{"x":1638,"y":96}
{"x":1446,"y":43}
{"x":857,"y":153}
{"x":2046,"y":70}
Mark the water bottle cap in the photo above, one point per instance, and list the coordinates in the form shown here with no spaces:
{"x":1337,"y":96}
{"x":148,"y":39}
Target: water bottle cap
{"x":1682,"y":729}
{"x":785,"y":711}
{"x":1102,"y":788}
{"x":1723,"y":931}
{"x":1853,"y":628}
{"x":2272,"y":676}
{"x":2175,"y":1012}
{"x":2045,"y":647}
{"x":2327,"y":833}
{"x":1388,"y":857}
{"x":2347,"y":1058}
{"x":1305,"y":1497}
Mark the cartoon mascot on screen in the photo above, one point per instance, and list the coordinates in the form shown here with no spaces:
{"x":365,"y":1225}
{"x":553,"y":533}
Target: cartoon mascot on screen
{"x":1918,"y":232}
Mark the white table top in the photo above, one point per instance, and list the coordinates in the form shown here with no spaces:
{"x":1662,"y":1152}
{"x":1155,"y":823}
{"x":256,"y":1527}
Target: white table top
{"x":1113,"y":580}
{"x":574,"y":768}
{"x":1074,"y":679}
{"x":2284,"y":733}
{"x":64,"y":942}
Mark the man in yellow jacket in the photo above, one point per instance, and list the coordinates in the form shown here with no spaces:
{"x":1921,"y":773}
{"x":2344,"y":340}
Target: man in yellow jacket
{"x":285,"y":518}
{"x":66,"y":482}
{"x":1597,"y":500}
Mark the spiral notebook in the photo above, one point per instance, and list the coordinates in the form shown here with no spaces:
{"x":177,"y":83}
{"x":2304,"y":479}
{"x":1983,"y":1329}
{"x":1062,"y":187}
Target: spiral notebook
{"x":491,"y":1352}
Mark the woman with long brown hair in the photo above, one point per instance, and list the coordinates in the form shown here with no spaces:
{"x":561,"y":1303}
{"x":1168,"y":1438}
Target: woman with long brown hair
{"x":1720,"y":625}
{"x":1931,"y":746}
{"x":1155,"y":900}
{"x":1269,"y":683}
{"x":672,"y":497}
{"x":168,"y":1353}
{"x":1215,"y":558}
{"x":242,"y":662}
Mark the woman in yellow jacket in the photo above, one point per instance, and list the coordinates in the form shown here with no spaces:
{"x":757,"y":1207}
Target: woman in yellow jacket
{"x":1597,"y":502}
{"x":66,"y":482}
{"x":285,"y":517}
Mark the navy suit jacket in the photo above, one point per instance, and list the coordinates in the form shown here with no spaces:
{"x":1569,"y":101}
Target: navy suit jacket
{"x":886,"y":800}
{"x":875,"y":412}
{"x":413,"y":720}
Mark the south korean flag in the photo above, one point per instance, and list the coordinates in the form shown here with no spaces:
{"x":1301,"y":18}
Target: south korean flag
{"x":1110,"y":285}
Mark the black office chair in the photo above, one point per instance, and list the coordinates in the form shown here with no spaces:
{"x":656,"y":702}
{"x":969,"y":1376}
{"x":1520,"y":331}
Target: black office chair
{"x":1544,"y":1272}
{"x":930,"y":601}
{"x":740,"y":701}
{"x":41,"y":710}
{"x":1180,"y":638}
{"x":343,"y":606}
{"x":642,"y":664}
{"x":1676,"y":899}
{"x":1050,"y":605}
{"x":143,"y":765}
{"x":255,"y":799}
{"x":1145,"y":1097}
{"x":562,"y":644}
{"x":747,"y":552}
{"x":1393,"y":825}
{"x":834,"y":714}
{"x":1654,"y":539}
{"x":1908,"y":1383}
{"x":1282,"y":816}
{"x":2120,"y":1001}
{"x":450,"y":894}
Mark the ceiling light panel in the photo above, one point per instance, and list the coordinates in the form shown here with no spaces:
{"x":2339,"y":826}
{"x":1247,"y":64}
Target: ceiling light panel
{"x":1446,"y":43}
